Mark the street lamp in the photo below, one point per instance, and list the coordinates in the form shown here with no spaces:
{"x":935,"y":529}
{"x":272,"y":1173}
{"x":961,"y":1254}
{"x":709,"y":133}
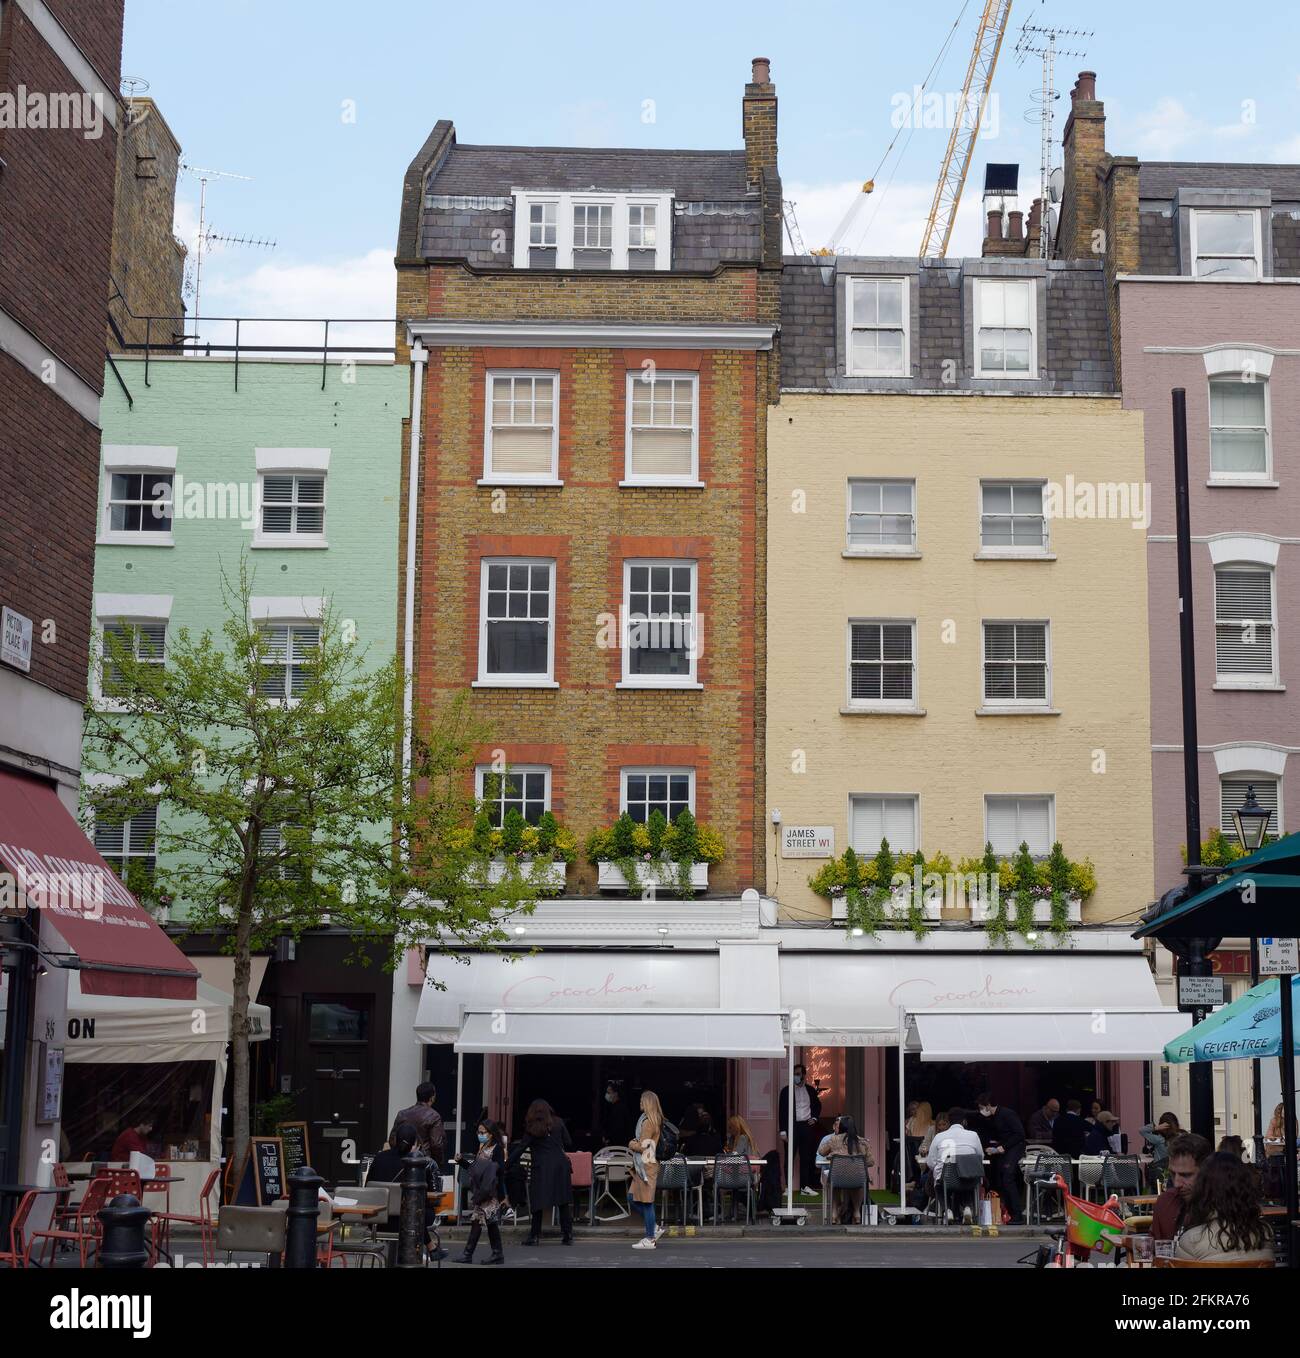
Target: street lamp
{"x":1251,"y":821}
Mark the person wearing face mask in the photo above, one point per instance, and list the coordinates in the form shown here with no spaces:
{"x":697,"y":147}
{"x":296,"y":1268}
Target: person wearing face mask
{"x":615,"y":1120}
{"x":801,"y":1144}
{"x":486,"y":1193}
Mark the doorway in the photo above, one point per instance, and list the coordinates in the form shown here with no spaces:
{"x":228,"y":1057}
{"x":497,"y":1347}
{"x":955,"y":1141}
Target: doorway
{"x":338,"y":1029}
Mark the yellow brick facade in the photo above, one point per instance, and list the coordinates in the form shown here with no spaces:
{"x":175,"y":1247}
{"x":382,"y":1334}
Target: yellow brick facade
{"x":1094,"y":757}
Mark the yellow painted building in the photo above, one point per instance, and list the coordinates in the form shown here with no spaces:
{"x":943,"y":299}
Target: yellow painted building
{"x":978,"y":672}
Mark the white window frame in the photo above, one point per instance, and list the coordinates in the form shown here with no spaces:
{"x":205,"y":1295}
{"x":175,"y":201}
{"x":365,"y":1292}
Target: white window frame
{"x":1016,"y":704}
{"x":127,"y":856}
{"x":652,"y":203}
{"x":648,"y":770}
{"x":294,"y":538}
{"x":1044,"y":549}
{"x":552,"y":225}
{"x":1249,"y":681}
{"x":1259,"y":779}
{"x":878,"y":549}
{"x":850,"y":285}
{"x":1258,"y":233}
{"x":980,"y":285}
{"x":126,"y":461}
{"x":482,"y":772}
{"x":913,"y":797}
{"x":486,"y":680}
{"x":630,"y":478}
{"x":106,"y":702}
{"x":1218,"y":478}
{"x":293,"y":624}
{"x":491,"y":477}
{"x":690,"y":680}
{"x":1049,"y":797}
{"x":880,"y":704}
{"x":618,"y":202}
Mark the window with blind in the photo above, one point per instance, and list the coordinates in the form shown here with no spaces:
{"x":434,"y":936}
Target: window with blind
{"x":659,"y":607}
{"x":522,"y":442}
{"x":877,"y":328}
{"x":288,"y":653}
{"x":516,"y":641}
{"x":882,"y":665}
{"x":1232,"y":797}
{"x":146,"y":642}
{"x":662,"y":428}
{"x":1012,"y":821}
{"x":293,"y":505}
{"x":1245,"y":652}
{"x":882,"y":516}
{"x":872,"y":819}
{"x":670,"y":791}
{"x":129,"y":846}
{"x":1012,"y":517}
{"x":1239,"y":441}
{"x":1016,"y":671}
{"x":522,"y":788}
{"x":278,"y":843}
{"x":1006,"y":327}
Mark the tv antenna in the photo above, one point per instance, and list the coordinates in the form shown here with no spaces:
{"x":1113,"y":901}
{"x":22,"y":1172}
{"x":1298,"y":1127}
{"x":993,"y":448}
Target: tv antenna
{"x":1038,"y":40}
{"x":204,"y":241}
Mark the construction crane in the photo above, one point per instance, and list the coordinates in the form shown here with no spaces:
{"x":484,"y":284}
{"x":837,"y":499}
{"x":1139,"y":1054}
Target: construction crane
{"x":965,"y":129}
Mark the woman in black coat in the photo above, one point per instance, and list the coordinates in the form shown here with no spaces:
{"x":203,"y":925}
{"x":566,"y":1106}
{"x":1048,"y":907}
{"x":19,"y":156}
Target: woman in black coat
{"x":549,"y":1181}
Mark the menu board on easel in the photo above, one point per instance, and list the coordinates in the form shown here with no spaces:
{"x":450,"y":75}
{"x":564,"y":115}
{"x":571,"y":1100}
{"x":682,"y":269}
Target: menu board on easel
{"x":297,"y":1148}
{"x":260,"y":1180}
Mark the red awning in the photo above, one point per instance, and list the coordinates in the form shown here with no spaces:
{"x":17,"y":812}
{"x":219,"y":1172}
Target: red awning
{"x":121,"y":947}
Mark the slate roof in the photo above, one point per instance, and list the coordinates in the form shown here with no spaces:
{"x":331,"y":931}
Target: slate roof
{"x":1163,"y":178}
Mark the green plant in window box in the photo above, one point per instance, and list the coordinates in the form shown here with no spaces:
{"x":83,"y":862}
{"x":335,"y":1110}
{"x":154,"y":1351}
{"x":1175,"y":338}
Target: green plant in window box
{"x":633,"y":848}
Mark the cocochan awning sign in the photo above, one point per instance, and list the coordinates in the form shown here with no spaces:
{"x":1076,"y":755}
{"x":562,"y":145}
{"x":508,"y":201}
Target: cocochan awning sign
{"x":807,"y":841}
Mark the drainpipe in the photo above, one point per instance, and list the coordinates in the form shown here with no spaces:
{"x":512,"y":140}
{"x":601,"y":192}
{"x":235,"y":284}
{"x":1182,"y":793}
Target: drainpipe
{"x":419,"y":357}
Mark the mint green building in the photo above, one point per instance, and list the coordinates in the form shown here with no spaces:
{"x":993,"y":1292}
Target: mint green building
{"x":201,"y":466}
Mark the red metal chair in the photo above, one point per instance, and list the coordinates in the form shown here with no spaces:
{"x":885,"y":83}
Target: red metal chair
{"x":85,"y":1230}
{"x":204,"y":1221}
{"x":16,"y":1255}
{"x":121,"y":1181}
{"x":160,"y":1183}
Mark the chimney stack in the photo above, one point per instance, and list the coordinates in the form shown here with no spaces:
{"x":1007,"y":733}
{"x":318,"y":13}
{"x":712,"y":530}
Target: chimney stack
{"x":1084,"y":142}
{"x":1015,"y":224}
{"x":759,"y":122}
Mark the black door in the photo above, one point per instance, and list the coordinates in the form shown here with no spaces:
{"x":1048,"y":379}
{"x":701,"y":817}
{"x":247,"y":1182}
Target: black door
{"x":338,"y":1051}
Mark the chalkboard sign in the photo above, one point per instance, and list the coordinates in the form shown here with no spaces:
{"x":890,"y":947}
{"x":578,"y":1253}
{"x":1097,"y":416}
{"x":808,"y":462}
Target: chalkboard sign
{"x":297,"y":1149}
{"x":261,"y":1176}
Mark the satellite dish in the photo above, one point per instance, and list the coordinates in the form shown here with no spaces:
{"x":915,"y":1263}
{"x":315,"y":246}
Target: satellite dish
{"x":1055,"y":184}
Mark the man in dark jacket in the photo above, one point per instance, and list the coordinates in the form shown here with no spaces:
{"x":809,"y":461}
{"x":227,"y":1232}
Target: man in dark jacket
{"x":1042,"y":1121}
{"x":430,"y":1137}
{"x":1004,"y":1143}
{"x":616,"y":1124}
{"x":803,"y":1143}
{"x":1070,"y":1134}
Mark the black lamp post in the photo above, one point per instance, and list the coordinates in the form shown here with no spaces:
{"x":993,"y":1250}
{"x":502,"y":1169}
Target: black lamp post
{"x":1251,"y":822}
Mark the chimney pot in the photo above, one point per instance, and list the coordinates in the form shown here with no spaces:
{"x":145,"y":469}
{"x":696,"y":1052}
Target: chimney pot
{"x":762,"y":73}
{"x":1085,"y":88}
{"x":995,"y":226}
{"x":1015,"y":222}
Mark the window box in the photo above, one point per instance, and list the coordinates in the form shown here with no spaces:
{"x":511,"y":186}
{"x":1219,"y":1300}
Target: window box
{"x":544,"y":874}
{"x":663,"y":876}
{"x":981,"y":911}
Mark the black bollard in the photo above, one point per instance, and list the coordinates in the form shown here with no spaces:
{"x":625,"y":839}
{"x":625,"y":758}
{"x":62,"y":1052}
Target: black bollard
{"x":410,"y":1231}
{"x":303,"y":1212}
{"x":124,"y":1224}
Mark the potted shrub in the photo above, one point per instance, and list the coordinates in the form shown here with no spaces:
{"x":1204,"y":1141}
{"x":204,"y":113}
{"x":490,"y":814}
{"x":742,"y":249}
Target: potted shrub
{"x":656,"y":855}
{"x":540,"y":853}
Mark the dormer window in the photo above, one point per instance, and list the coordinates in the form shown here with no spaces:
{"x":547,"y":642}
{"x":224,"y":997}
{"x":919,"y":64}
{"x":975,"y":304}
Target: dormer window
{"x":1226,"y":246}
{"x":592,"y":230}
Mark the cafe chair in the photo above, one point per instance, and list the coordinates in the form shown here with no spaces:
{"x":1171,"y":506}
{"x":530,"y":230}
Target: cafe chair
{"x":163,"y":1221}
{"x":1040,"y":1171}
{"x":1091,"y":1168}
{"x":1120,"y":1174}
{"x":65,"y":1213}
{"x":121,"y":1181}
{"x":369,"y":1251}
{"x":733,"y":1174}
{"x":582,"y":1175}
{"x":252,"y":1230}
{"x":611,"y":1167}
{"x":85,"y":1229}
{"x":675,"y":1177}
{"x":962,"y":1175}
{"x":848,"y":1171}
{"x":19,"y":1248}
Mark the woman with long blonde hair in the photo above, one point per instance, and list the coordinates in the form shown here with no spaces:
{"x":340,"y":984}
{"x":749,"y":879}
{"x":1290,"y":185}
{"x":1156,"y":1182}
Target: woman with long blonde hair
{"x":645,"y":1167}
{"x":740,"y":1140}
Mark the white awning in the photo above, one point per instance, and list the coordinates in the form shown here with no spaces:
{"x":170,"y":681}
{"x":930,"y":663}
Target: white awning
{"x":653,"y":1032}
{"x":847,"y":999}
{"x":1044,"y":1034}
{"x":594,"y":981}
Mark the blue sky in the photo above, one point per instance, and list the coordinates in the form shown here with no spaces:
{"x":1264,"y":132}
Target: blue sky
{"x":259,"y":87}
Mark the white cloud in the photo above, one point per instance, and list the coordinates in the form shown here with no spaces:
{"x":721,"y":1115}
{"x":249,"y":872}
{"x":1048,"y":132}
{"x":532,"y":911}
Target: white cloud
{"x":890,"y":222}
{"x":1170,"y":127}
